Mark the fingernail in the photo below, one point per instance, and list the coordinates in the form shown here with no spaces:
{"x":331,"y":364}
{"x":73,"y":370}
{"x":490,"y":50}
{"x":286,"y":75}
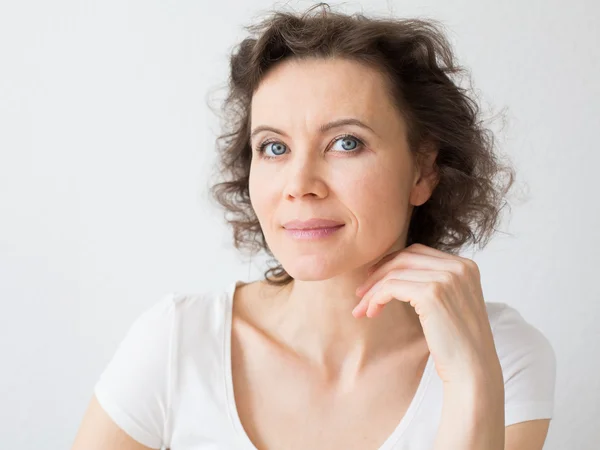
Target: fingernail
{"x":357,"y":307}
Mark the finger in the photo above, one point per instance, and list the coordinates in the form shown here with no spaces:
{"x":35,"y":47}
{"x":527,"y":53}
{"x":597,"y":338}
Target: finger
{"x":384,"y":259}
{"x":367,"y":308}
{"x":409,"y":276}
{"x":406,"y":260}
{"x":415,"y":249}
{"x":413,"y":292}
{"x":426,"y":250}
{"x":360,"y":309}
{"x":362,"y":305}
{"x":430,"y":251}
{"x":374,"y":309}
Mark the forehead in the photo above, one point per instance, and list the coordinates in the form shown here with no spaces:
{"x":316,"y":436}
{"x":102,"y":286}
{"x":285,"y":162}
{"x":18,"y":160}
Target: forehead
{"x":314,"y":91}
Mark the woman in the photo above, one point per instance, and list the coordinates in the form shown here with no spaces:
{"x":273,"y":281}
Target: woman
{"x":359,"y":165}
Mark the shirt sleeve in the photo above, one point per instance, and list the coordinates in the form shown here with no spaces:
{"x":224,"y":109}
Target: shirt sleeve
{"x":133,"y":388}
{"x":529,"y":368}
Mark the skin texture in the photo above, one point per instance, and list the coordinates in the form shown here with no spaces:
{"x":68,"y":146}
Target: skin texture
{"x":98,"y":431}
{"x":304,"y":338}
{"x":371,"y":189}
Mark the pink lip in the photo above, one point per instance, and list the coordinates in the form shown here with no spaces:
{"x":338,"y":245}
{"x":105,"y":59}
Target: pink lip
{"x":311,"y":224}
{"x":312,"y":233}
{"x":314,"y":228}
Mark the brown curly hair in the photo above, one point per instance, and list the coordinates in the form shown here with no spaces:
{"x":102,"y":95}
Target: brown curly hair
{"x":417,"y":63}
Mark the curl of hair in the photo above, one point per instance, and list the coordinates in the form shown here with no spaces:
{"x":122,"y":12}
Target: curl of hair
{"x":417,"y":62}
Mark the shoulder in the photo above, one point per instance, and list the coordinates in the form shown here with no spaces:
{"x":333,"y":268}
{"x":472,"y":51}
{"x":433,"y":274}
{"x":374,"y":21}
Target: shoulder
{"x":151,"y":340}
{"x":516,"y":337}
{"x":528,"y":364}
{"x":148,"y":342}
{"x":135,"y":386}
{"x":177,"y":308}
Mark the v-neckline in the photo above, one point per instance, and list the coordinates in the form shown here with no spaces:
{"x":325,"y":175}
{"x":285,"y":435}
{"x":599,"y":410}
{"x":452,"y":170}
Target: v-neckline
{"x":231,"y":407}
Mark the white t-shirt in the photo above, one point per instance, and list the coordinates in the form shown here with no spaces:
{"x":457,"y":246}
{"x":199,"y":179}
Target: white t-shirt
{"x":169,"y":384}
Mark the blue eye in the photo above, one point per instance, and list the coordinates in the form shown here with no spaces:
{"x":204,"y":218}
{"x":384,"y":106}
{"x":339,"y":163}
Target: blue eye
{"x":350,"y":144}
{"x":278,"y":148}
{"x":347,"y":140}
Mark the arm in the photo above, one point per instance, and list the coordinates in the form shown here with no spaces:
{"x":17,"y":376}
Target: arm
{"x":98,"y":432}
{"x":527,"y":435}
{"x":129,"y":408}
{"x":473,"y":415}
{"x":473,"y":419}
{"x":494,"y":375}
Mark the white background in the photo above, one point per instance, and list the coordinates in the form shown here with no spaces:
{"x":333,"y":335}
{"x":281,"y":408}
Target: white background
{"x":106,"y":142}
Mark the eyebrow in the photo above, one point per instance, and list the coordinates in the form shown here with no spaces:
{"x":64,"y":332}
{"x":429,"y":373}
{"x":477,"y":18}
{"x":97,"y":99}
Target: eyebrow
{"x":322,"y":129}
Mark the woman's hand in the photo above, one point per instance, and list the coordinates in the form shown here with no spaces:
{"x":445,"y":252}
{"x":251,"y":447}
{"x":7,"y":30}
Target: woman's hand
{"x":445,"y":291}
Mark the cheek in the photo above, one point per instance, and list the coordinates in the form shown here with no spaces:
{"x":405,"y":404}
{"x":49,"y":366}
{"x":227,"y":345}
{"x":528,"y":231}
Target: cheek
{"x":379,"y":201}
{"x":261,"y":195}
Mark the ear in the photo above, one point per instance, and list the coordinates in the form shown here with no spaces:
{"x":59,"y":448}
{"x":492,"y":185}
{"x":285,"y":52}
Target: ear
{"x":426,"y":173}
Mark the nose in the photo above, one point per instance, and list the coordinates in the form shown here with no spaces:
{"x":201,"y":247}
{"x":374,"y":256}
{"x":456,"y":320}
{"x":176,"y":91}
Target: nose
{"x":304,"y":178}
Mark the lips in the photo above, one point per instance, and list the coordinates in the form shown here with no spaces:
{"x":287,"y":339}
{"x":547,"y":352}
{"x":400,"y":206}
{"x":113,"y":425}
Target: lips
{"x":312,"y":224}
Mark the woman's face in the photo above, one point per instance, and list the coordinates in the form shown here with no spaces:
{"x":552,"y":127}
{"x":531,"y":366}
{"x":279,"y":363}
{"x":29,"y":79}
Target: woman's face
{"x":365,"y":178}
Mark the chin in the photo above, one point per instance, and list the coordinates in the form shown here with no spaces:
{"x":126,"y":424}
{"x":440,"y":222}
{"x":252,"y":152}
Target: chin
{"x":311,"y":268}
{"x":309,"y":276}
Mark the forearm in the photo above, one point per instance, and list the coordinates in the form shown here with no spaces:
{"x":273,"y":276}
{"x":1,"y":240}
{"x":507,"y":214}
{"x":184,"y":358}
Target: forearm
{"x":473,"y":416}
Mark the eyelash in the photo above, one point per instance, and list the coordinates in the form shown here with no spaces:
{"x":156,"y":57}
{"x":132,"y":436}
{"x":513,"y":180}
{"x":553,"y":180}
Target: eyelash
{"x":261,"y":148}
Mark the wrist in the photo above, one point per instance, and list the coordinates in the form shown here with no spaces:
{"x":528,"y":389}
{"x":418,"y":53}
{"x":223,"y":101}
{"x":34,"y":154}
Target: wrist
{"x":478,"y":378}
{"x":473,"y":413}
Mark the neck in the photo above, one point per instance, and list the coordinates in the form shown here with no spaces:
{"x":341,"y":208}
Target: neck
{"x":314,"y":319}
